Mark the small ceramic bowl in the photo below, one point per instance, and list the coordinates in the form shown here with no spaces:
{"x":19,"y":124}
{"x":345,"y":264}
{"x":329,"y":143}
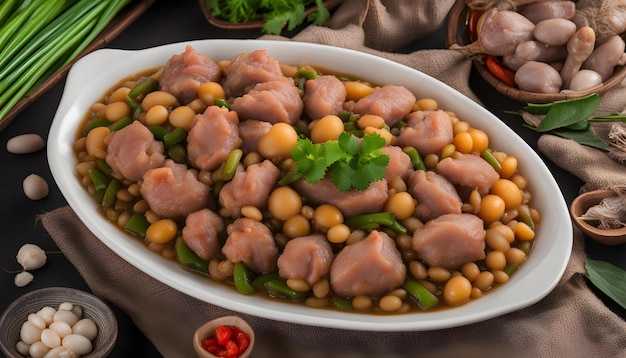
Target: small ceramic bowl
{"x":581,"y":204}
{"x":94,"y":308}
{"x":207,"y":331}
{"x":458,"y":32}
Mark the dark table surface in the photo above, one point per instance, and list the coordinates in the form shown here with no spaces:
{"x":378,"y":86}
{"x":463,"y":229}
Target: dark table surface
{"x":167,"y":22}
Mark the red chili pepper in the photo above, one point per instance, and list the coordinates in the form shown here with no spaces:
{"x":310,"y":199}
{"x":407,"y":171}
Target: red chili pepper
{"x":499,"y":71}
{"x":229,"y":342}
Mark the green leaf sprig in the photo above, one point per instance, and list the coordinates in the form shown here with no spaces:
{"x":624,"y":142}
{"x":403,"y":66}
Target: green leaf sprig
{"x":277,"y":14}
{"x":571,"y":119}
{"x":607,"y":278}
{"x":351,"y":165}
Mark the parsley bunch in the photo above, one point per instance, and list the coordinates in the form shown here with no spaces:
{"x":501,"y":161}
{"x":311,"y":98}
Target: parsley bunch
{"x":277,"y":14}
{"x":351,"y":165}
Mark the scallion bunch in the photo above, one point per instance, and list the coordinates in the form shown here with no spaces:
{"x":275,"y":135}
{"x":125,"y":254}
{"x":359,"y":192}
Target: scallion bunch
{"x":39,"y":37}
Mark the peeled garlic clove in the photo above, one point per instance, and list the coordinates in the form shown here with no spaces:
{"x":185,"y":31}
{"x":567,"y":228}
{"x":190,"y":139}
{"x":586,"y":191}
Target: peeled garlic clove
{"x":585,"y":79}
{"x":23,"y":278}
{"x":31,"y":257}
{"x":79,"y":344}
{"x":35,"y":187}
{"x":25,"y":143}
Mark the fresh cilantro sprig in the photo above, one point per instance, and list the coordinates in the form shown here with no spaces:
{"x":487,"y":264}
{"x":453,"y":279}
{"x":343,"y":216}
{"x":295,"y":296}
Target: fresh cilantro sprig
{"x":351,"y":165}
{"x":571,"y":119}
{"x":277,"y":14}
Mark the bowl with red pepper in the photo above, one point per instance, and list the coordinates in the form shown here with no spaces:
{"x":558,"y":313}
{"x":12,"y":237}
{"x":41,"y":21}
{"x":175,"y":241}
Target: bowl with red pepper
{"x":227,"y":336}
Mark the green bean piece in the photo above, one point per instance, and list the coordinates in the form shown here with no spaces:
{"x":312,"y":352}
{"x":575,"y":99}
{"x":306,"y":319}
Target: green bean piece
{"x":110,"y":194}
{"x":116,"y":126}
{"x":307,"y":73}
{"x":241,"y":277}
{"x":188,"y":259}
{"x":344,"y":114}
{"x":104,"y":167}
{"x":178,"y":153}
{"x":137,"y":224}
{"x":525,"y":246}
{"x":343,"y":303}
{"x":259,"y":282}
{"x":400,"y":124}
{"x":221,"y":102}
{"x":527,"y":218}
{"x":416,"y":158}
{"x":280,"y":288}
{"x":290,"y":177}
{"x":158,"y":132}
{"x":488,"y":156}
{"x":510,"y":268}
{"x":424,"y":298}
{"x":143,"y":88}
{"x":176,"y":136}
{"x":229,"y":169}
{"x":349,"y":126}
{"x":99,"y":180}
{"x":357,"y":133}
{"x":95,"y":123}
{"x":377,"y":219}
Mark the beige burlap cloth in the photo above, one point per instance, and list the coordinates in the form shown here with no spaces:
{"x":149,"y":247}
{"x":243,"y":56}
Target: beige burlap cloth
{"x":570,"y":322}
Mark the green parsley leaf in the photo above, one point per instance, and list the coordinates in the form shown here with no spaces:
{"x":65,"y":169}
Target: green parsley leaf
{"x":351,"y":165}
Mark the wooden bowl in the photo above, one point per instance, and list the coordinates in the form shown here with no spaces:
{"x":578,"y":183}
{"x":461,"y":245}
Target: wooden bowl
{"x":611,"y":237}
{"x":94,"y":308}
{"x":207,"y":331}
{"x":257,"y":24}
{"x":457,"y":32}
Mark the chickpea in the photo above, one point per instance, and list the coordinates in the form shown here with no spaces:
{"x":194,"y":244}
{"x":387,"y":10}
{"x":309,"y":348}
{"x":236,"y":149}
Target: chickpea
{"x":427,"y":104}
{"x":457,"y":290}
{"x":116,"y":111}
{"x":523,"y":232}
{"x":362,"y":303}
{"x":355,"y":90}
{"x":496,"y":260}
{"x":95,"y":142}
{"x":491,"y":208}
{"x":327,"y":128}
{"x":338,"y":234}
{"x":509,"y":167}
{"x":163,"y":98}
{"x":161,"y":231}
{"x":484,"y":281}
{"x":390,"y":303}
{"x":496,"y":239}
{"x":278,"y":142}
{"x":210,"y":91}
{"x":327,"y":216}
{"x":470,"y":270}
{"x":370,"y":120}
{"x":508,"y":191}
{"x":157,"y":115}
{"x":515,"y":256}
{"x":384,"y":133}
{"x":252,"y":212}
{"x":321,"y":288}
{"x":439,"y":274}
{"x":181,"y":117}
{"x":119,"y":95}
{"x":418,"y":270}
{"x":284,"y":202}
{"x":463,"y":142}
{"x":296,"y":226}
{"x":459,"y":127}
{"x":480,"y":140}
{"x":401,"y":204}
{"x":298,"y":285}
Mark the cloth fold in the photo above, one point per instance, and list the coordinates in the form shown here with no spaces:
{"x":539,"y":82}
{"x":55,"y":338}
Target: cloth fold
{"x":570,"y":321}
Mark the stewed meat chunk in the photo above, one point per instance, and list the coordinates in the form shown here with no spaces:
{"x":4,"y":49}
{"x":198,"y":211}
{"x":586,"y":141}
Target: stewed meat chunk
{"x":250,"y":132}
{"x":390,"y":102}
{"x":248,"y":69}
{"x":132,"y":151}
{"x":451,"y":240}
{"x":468,"y":170}
{"x":212,"y":136}
{"x":272,"y":101}
{"x":185,"y":73}
{"x":250,"y":187}
{"x":369,"y":267}
{"x":427,"y":132}
{"x":323,"y":96}
{"x":252,"y":243}
{"x":351,"y":203}
{"x":307,"y":258}
{"x":435,"y":195}
{"x":173,"y":191}
{"x":201,"y":232}
{"x":399,"y":166}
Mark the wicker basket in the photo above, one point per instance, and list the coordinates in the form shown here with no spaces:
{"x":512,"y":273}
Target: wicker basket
{"x":458,"y":33}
